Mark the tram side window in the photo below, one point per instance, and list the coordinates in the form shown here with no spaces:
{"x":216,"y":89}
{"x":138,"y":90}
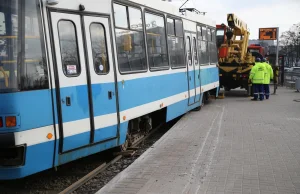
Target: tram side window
{"x":171,"y":26}
{"x":203,"y":52}
{"x":120,"y":13}
{"x":213,"y":52}
{"x":156,"y":41}
{"x":2,"y":24}
{"x":209,"y":46}
{"x":204,"y":33}
{"x":23,"y":65}
{"x":199,"y":32}
{"x":175,"y":43}
{"x":129,"y":39}
{"x":179,"y":28}
{"x":209,"y":35}
{"x":203,"y":45}
{"x":69,"y":48}
{"x":195,"y":51}
{"x":188,"y":49}
{"x":99,"y":49}
{"x":213,"y":48}
{"x":213,"y":35}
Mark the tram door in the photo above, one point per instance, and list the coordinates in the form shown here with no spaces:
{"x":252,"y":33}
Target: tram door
{"x":85,"y":85}
{"x":190,"y":67}
{"x":197,"y":68}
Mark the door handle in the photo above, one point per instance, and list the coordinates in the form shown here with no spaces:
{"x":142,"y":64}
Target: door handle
{"x":110,"y":94}
{"x":68,"y":101}
{"x":190,"y":78}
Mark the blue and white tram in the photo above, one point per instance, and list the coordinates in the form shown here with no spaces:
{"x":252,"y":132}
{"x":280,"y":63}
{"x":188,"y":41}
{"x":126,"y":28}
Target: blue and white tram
{"x":80,"y":77}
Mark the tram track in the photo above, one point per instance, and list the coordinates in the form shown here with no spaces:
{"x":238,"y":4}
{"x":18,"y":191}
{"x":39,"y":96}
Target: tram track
{"x":87,"y":175}
{"x":103,"y":166}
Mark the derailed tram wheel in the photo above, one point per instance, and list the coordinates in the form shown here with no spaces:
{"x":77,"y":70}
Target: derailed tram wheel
{"x":198,"y":108}
{"x":202,"y":103}
{"x":125,"y":145}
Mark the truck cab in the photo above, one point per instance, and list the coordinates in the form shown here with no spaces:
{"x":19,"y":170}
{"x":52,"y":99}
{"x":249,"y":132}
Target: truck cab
{"x":257,"y":50}
{"x":220,"y":34}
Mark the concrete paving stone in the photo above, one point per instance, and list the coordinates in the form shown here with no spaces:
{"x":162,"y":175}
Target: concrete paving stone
{"x":255,"y":191}
{"x":284,"y":191}
{"x":210,"y":192}
{"x":124,"y":190}
{"x":234,"y":190}
{"x":266,"y":183}
{"x":297,"y":191}
{"x":268,"y":192}
{"x":212,"y":188}
{"x":220,"y":189}
{"x":223,"y":149}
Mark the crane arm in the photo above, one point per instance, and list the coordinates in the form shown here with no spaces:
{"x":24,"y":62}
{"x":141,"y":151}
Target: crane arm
{"x":239,"y":26}
{"x":237,"y":40}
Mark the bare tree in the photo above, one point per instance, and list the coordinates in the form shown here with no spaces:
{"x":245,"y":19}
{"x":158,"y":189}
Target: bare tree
{"x":290,"y":45}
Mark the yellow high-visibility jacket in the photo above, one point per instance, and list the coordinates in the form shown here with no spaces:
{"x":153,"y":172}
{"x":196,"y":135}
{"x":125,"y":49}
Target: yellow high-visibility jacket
{"x":268,"y":74}
{"x":257,"y":74}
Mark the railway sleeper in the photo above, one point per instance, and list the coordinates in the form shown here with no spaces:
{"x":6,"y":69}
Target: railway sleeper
{"x":126,"y":153}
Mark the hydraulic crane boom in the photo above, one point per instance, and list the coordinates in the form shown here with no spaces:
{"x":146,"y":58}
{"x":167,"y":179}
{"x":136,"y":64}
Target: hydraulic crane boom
{"x":237,"y":49}
{"x":239,"y":26}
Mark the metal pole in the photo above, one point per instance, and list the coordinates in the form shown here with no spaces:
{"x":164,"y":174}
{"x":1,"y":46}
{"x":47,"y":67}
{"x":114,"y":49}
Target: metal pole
{"x":276,"y":66}
{"x":277,"y":49}
{"x":282,"y":70}
{"x":183,"y":4}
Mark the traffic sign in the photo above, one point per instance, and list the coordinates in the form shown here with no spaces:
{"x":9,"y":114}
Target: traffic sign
{"x":268,"y":33}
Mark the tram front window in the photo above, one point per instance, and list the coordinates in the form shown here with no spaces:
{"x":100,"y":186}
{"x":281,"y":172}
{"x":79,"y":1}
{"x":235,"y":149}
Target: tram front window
{"x":22,"y":54}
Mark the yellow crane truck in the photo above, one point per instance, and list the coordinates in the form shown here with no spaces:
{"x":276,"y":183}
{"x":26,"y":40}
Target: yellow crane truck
{"x":235,"y":62}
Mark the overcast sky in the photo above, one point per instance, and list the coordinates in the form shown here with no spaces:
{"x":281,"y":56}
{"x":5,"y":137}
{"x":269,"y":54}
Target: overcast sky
{"x":256,"y":13}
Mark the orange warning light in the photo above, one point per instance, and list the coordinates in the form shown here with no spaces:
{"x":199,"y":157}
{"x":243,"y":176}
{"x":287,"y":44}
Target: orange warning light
{"x":49,"y":136}
{"x":11,"y":121}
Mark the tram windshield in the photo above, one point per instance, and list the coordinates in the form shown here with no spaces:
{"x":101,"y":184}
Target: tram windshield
{"x":22,"y":54}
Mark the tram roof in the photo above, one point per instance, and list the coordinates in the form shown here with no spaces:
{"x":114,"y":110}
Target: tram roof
{"x":168,"y":8}
{"x":158,"y":5}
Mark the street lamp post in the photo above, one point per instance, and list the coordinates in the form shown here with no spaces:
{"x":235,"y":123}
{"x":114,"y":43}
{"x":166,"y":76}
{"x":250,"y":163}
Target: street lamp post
{"x":276,"y":65}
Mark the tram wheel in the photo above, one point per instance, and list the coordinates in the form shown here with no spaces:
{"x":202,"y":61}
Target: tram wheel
{"x":125,"y":145}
